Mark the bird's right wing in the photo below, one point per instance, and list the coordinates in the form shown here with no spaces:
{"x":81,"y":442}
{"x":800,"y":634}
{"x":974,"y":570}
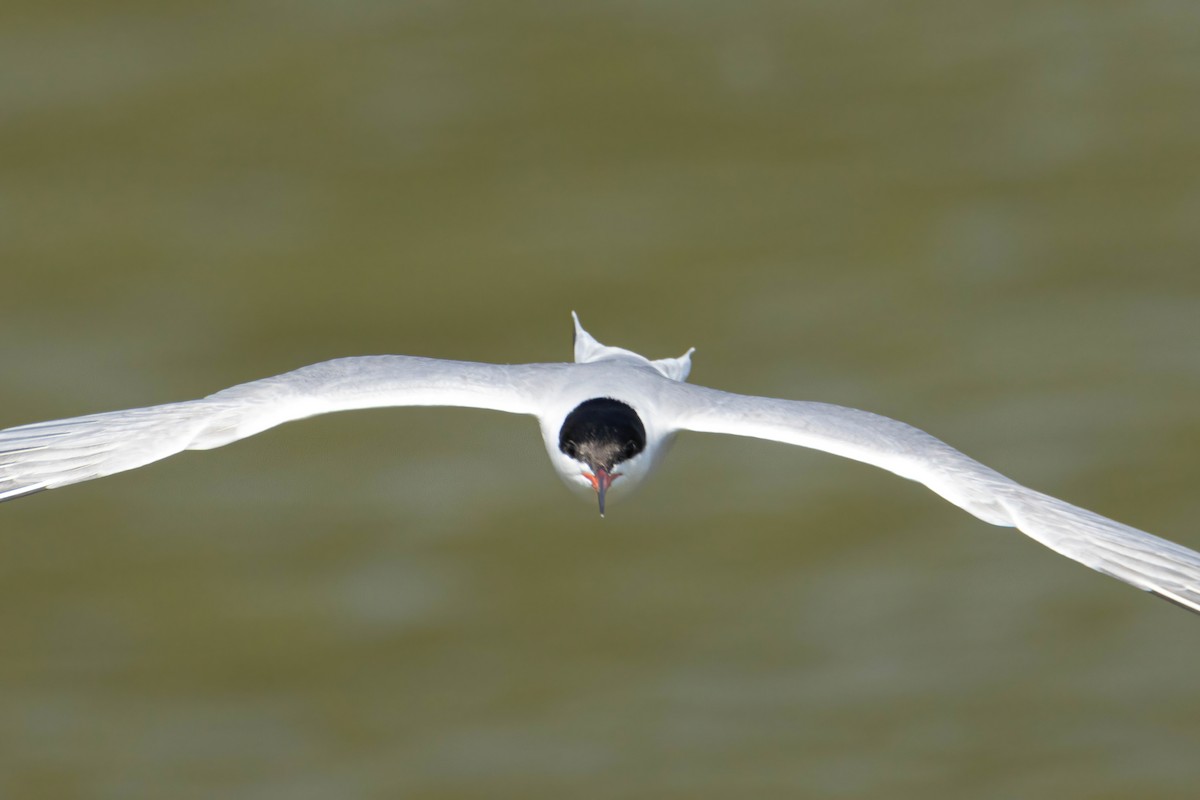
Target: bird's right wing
{"x":46,"y":455}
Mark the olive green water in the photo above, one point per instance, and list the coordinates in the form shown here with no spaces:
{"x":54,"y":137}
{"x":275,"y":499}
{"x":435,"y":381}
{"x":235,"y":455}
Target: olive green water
{"x":980,"y":218}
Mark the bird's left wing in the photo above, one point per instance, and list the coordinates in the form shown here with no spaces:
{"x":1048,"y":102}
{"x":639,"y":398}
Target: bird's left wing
{"x":1146,"y":561}
{"x":46,"y":455}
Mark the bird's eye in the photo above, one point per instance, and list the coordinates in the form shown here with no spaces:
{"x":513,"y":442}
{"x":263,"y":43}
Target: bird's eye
{"x":630,"y":449}
{"x":571,"y":449}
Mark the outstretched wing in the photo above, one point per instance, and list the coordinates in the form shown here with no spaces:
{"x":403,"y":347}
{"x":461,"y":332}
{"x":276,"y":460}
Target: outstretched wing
{"x":1136,"y":557}
{"x":46,"y":455}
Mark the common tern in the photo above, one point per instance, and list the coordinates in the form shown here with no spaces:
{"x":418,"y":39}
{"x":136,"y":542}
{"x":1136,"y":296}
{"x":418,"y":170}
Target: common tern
{"x":606,"y":421}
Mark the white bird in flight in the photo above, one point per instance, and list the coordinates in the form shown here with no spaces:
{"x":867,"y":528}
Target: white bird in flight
{"x":606,"y":420}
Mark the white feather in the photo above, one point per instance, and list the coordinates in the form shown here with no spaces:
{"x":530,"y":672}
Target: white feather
{"x":46,"y":455}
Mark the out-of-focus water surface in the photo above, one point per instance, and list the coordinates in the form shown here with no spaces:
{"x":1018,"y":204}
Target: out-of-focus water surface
{"x":980,"y":219}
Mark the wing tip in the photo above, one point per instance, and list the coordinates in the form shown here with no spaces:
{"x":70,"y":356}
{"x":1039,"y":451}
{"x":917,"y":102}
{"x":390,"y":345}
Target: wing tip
{"x":1185,"y":604}
{"x":23,"y":491}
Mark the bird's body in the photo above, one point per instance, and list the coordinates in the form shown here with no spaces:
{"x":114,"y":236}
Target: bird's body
{"x":606,"y":421}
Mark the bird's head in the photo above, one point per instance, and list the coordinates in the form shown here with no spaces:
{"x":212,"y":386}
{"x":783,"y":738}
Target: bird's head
{"x":601,"y":445}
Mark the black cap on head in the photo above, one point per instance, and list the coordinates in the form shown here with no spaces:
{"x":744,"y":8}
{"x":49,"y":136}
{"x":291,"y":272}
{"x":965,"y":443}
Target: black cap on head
{"x":602,"y":433}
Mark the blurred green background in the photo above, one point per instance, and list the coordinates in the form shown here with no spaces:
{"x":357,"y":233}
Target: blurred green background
{"x":979,"y":218}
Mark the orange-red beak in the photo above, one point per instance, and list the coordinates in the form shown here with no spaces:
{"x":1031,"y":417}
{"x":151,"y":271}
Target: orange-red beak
{"x":601,"y":479}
